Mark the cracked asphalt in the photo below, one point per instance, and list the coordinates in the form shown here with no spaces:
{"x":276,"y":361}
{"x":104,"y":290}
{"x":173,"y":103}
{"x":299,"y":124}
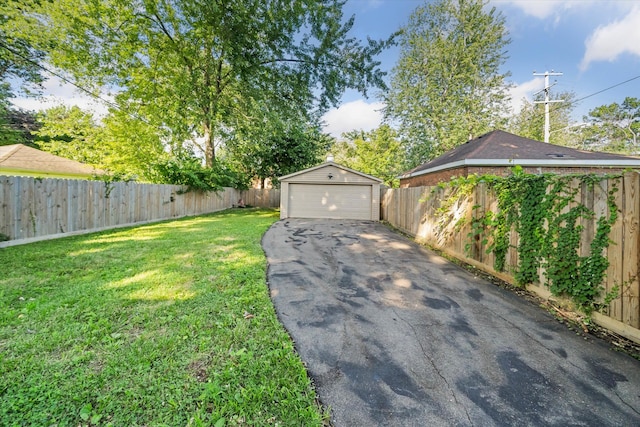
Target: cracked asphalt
{"x":395,"y":335}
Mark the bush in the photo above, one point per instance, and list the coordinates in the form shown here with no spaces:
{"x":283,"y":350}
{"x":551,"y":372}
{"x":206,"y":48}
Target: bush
{"x":188,"y":170}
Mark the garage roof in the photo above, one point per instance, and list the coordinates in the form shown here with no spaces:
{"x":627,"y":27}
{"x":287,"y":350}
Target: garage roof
{"x":292,"y":176}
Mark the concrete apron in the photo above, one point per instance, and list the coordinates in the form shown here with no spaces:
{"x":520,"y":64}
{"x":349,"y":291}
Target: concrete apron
{"x":395,"y":335}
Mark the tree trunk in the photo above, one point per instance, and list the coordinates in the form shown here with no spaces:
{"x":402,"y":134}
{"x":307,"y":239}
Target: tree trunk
{"x":635,"y":135}
{"x":209,"y":146}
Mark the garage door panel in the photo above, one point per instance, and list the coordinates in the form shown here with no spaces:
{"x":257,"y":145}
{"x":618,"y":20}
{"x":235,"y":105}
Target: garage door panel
{"x":329,"y":201}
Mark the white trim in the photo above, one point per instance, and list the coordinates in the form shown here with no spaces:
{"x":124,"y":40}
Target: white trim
{"x":321,"y":165}
{"x":571,"y":163}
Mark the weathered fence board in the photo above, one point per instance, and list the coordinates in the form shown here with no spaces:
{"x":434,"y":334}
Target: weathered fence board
{"x":415,"y":211}
{"x":631,"y":313}
{"x":32,"y":208}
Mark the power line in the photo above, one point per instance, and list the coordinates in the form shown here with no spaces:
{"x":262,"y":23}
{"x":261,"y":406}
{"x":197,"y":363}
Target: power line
{"x":568,"y":104}
{"x":66,"y":80}
{"x":604,"y":90}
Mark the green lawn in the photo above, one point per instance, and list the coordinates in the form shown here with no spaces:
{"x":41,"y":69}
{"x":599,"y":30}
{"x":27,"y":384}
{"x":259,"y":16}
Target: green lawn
{"x":164,"y":324}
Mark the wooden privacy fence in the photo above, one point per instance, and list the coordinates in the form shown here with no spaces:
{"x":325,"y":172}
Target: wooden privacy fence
{"x":264,"y":198}
{"x":34,"y":208}
{"x":415,"y":211}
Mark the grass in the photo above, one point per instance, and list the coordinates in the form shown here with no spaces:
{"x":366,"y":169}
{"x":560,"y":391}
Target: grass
{"x":164,"y":324}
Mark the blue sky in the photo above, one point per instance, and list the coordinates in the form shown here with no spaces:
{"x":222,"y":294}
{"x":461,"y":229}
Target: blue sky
{"x":595,"y":43}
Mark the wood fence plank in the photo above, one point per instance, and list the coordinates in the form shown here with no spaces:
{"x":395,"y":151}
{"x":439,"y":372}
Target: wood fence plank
{"x":601,"y":209}
{"x":42,"y":209}
{"x":493,"y":206}
{"x":615,"y":255}
{"x":480,"y":195}
{"x":5,"y":194}
{"x":587,"y":200}
{"x":631,"y":303}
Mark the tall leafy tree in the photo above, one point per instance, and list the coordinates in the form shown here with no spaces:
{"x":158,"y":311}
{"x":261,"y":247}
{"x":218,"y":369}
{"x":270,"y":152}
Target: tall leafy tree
{"x":378,"y":153}
{"x":614,"y":127}
{"x":447,"y":85}
{"x":194,"y":67}
{"x":277,"y":144}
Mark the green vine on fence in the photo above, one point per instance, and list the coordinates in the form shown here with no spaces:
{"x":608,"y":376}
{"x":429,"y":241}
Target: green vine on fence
{"x":543,"y":211}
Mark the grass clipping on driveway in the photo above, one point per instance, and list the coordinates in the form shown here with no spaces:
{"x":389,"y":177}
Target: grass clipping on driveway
{"x":164,"y":324}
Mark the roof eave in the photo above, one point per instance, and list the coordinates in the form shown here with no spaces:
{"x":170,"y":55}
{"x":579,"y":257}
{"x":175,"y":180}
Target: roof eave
{"x":321,"y":165}
{"x":575,"y":163}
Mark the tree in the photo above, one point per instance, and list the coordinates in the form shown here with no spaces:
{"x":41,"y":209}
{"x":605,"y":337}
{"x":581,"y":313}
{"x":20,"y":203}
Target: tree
{"x":447,"y":85}
{"x":529,"y":121}
{"x":8,"y":133}
{"x":378,"y":153}
{"x":18,"y":64}
{"x":17,"y":125}
{"x":131,"y":148}
{"x":614,"y":127}
{"x":277,"y":145}
{"x":19,"y":59}
{"x":71,"y":133}
{"x":195,"y":67}
{"x":184,"y":168}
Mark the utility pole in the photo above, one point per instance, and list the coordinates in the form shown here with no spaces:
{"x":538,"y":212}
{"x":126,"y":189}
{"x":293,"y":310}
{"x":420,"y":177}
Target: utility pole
{"x":546,"y":101}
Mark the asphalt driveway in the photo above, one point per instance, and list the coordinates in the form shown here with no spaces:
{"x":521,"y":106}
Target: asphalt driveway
{"x":395,"y":335}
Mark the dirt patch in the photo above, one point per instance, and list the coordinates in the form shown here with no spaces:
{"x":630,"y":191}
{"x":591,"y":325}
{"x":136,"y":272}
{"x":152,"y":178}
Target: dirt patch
{"x":199,"y":368}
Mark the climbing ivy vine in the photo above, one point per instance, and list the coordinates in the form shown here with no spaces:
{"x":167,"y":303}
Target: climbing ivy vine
{"x":543,"y":210}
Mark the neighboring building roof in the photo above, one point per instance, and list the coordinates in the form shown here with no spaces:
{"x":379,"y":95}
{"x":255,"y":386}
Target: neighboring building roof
{"x":18,"y":159}
{"x":500,"y":148}
{"x":324,"y":165}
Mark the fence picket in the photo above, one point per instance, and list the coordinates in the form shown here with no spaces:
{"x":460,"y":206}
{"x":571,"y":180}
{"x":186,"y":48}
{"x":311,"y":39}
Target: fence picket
{"x":631,"y":303}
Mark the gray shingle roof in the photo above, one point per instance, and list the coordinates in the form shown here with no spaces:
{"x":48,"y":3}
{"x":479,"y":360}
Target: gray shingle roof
{"x":502,"y":147}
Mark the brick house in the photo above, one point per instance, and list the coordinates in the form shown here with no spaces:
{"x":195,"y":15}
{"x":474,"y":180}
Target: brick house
{"x":497,"y":151}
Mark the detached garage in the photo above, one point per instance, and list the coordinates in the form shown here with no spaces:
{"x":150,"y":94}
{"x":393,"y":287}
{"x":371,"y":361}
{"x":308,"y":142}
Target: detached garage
{"x":330,"y":190}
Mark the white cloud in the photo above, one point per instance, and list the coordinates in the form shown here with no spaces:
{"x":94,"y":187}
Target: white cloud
{"x":538,"y":9}
{"x":353,"y":115}
{"x":525,"y":91}
{"x":56,"y":92}
{"x":608,"y":42}
{"x":542,"y":9}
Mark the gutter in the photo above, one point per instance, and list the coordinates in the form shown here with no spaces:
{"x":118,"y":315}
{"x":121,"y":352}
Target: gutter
{"x":571,"y":163}
{"x":43,"y":174}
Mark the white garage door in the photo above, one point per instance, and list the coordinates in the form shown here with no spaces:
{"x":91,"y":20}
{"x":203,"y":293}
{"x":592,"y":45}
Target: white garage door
{"x":329,"y":201}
